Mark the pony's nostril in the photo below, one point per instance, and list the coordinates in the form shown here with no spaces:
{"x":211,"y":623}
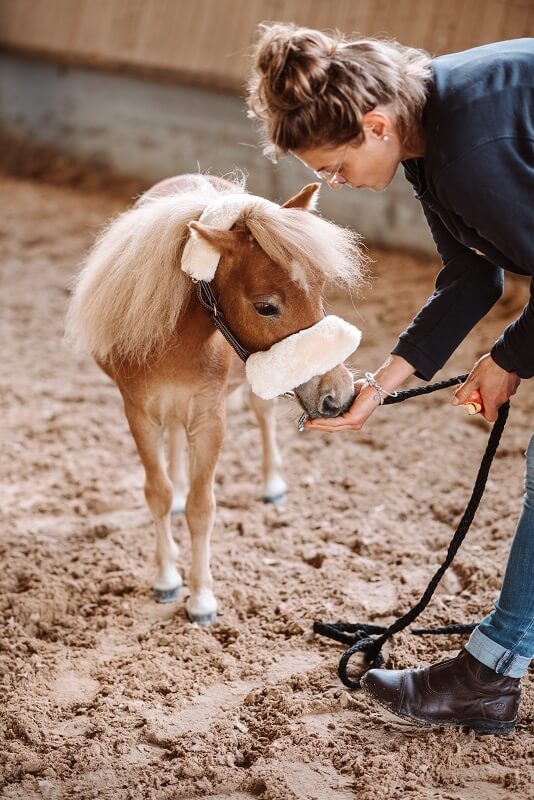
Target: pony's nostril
{"x":328,"y":405}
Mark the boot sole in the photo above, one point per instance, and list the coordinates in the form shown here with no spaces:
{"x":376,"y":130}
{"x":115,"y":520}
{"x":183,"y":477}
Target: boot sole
{"x":484,"y":727}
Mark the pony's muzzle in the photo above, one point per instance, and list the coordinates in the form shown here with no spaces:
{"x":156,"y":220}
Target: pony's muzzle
{"x":332,"y":403}
{"x":328,"y":395}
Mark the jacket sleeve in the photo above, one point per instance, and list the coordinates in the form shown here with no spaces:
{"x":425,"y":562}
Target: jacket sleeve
{"x":497,"y":201}
{"x":467,"y":287}
{"x":514,"y":350}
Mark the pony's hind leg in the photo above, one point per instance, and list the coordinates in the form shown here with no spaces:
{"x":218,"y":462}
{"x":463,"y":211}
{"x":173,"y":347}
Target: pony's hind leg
{"x":205,"y":434}
{"x":274,"y":486}
{"x":178,"y":466}
{"x":158,"y":493}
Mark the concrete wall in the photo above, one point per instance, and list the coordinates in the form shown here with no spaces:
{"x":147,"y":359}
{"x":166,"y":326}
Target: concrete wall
{"x":207,"y":42}
{"x":142,"y":128}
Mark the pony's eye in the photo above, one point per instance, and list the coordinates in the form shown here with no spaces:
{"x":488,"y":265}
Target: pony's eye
{"x":266,"y":309}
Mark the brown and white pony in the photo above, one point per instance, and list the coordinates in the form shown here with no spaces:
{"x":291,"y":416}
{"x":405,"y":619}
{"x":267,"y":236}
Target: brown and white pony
{"x":136,"y":312}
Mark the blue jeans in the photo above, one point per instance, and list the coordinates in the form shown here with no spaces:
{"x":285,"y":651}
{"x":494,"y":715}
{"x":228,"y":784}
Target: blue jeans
{"x":504,"y":640}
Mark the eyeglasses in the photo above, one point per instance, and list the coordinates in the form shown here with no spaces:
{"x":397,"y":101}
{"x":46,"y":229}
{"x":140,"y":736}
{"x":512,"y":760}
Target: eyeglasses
{"x":333,"y":176}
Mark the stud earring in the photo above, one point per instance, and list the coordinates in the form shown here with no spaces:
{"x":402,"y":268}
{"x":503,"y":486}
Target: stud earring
{"x":385,"y":138}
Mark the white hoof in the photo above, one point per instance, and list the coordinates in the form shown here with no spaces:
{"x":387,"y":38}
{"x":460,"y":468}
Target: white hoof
{"x":202,"y":607}
{"x":274,"y":489}
{"x":178,"y":503}
{"x":167,"y":584}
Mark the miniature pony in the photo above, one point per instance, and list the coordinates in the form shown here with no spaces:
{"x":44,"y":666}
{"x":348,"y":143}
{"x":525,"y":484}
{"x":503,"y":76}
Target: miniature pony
{"x":135,"y":310}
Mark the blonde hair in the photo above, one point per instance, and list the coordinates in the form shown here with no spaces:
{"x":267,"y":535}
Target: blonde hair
{"x":131,"y":291}
{"x":311,"y":89}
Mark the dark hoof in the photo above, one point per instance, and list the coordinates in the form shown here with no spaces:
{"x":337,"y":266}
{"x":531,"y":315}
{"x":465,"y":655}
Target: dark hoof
{"x":202,"y":619}
{"x":167,"y":595}
{"x":276,"y":500}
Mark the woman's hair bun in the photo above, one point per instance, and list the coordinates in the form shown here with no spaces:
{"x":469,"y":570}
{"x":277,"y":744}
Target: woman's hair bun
{"x":293,"y":64}
{"x":309,"y":88}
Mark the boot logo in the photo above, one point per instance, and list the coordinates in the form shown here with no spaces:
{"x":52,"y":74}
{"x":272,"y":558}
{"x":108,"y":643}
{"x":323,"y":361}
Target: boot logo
{"x":499,"y":707}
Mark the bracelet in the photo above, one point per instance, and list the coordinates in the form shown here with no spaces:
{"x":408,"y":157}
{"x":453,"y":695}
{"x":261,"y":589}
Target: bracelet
{"x":371,"y":381}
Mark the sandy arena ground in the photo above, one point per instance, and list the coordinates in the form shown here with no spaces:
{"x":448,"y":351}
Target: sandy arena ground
{"x":106,"y":694}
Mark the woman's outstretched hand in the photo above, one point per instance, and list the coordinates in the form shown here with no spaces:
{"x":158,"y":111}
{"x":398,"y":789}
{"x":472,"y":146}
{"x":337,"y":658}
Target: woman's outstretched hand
{"x":393,"y":372}
{"x":363,"y":406}
{"x":495,"y":385}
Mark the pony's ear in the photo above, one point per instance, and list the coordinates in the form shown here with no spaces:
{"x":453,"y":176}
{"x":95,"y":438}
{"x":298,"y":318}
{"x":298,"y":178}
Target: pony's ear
{"x":222,"y":241}
{"x":306,"y":199}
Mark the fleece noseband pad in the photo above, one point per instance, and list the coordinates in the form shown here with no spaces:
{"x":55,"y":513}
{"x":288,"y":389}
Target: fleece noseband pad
{"x":297,"y":358}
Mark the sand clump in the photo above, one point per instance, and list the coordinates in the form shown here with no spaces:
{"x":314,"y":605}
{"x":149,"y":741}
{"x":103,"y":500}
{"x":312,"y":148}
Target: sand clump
{"x":106,"y":694}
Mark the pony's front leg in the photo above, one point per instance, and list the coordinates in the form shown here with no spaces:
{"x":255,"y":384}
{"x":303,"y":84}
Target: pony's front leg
{"x":274,"y":486}
{"x":205,"y":433}
{"x":178,"y":466}
{"x":158,"y":492}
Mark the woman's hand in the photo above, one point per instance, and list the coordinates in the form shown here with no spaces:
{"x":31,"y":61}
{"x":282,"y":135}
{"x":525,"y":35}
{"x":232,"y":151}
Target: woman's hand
{"x":495,"y":385}
{"x":367,"y":400}
{"x":391,"y":375}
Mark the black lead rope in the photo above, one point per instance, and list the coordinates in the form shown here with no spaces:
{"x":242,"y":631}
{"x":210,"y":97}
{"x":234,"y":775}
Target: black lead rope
{"x":359,"y":636}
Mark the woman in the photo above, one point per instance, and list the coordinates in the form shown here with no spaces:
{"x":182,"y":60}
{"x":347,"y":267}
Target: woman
{"x":462,"y":126}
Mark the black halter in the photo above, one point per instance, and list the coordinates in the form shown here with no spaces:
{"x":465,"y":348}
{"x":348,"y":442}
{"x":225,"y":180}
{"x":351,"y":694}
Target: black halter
{"x":207,"y":298}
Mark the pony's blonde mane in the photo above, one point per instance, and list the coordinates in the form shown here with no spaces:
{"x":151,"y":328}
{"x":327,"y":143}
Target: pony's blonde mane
{"x":131,"y":291}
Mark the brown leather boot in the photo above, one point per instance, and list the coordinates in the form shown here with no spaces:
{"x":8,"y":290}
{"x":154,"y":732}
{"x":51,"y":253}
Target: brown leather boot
{"x":460,"y":691}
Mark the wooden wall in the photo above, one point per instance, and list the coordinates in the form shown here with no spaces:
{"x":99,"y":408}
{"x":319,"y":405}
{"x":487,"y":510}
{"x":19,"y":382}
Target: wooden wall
{"x":206,"y":42}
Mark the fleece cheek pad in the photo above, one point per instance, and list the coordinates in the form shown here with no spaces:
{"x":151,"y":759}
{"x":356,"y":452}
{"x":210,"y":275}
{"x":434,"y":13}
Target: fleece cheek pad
{"x":301,"y":356}
{"x":199,"y":259}
{"x":297,"y":358}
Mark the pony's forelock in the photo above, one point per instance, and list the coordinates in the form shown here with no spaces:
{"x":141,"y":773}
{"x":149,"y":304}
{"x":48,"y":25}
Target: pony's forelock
{"x":292,"y":237}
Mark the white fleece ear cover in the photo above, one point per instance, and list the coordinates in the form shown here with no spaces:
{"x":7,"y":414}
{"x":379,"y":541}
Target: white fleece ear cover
{"x":199,"y":258}
{"x":301,"y":356}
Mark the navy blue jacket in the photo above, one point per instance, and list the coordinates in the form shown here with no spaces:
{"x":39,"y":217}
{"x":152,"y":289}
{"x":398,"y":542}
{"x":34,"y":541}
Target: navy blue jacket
{"x":476,"y":186}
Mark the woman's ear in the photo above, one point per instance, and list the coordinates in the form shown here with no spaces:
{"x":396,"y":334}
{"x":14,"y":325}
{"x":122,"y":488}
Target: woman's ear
{"x":377,"y":123}
{"x":306,"y":199}
{"x":224,"y":242}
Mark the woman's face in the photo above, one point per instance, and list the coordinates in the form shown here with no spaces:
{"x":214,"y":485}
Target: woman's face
{"x":368,"y":165}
